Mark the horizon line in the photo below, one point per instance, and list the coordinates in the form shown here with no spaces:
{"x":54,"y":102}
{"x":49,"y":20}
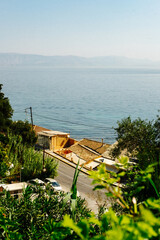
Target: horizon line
{"x":71,"y":55}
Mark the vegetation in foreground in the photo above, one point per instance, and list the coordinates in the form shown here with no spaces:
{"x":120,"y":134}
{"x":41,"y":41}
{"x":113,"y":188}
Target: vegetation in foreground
{"x":49,"y":215}
{"x":36,"y":213}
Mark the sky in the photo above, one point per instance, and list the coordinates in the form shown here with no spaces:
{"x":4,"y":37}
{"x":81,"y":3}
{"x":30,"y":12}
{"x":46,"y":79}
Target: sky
{"x":87,"y":28}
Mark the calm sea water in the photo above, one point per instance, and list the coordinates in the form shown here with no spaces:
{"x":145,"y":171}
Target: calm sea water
{"x":85,"y":102}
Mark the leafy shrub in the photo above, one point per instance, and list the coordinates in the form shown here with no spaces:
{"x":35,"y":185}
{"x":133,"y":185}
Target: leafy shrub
{"x":24,"y":129}
{"x":6,"y":112}
{"x":37,"y":216}
{"x":32,"y":166}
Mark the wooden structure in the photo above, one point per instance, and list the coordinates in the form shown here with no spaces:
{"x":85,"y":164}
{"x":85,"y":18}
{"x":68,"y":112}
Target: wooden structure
{"x":52,"y":140}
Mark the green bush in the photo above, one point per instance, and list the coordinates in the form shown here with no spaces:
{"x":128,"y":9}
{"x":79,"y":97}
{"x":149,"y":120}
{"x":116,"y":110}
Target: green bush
{"x":6,"y":112}
{"x":37,"y":216}
{"x":26,"y":160}
{"x":33,"y":166}
{"x":141,"y":140}
{"x":24,"y":129}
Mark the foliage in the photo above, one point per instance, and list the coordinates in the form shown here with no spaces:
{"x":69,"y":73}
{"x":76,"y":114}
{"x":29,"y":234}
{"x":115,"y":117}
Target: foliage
{"x":26,"y":160}
{"x":74,"y":183}
{"x":138,"y":221}
{"x":3,"y":139}
{"x":8,"y":228}
{"x":15,"y":148}
{"x":125,"y":227}
{"x":46,"y":215}
{"x":138,"y":137}
{"x":140,"y":183}
{"x":33,"y":165}
{"x":37,"y":215}
{"x":72,"y":195}
{"x":6,"y":112}
{"x":141,"y":139}
{"x":73,"y":199}
{"x":126,"y":184}
{"x":4,"y":161}
{"x":24,"y":129}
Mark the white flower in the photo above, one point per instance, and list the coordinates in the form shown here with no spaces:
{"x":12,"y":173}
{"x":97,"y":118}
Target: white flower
{"x":7,"y":173}
{"x":11,"y":165}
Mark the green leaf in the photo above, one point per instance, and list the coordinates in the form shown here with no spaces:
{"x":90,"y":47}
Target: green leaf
{"x":73,"y":205}
{"x":109,"y":194}
{"x":121,"y":174}
{"x":98,"y":187}
{"x":123,"y":160}
{"x":148,"y":216}
{"x":125,"y":220}
{"x":104,"y":223}
{"x":85,"y":228}
{"x":94,"y":220}
{"x":68,"y":222}
{"x":154,"y":203}
{"x":146,"y":230}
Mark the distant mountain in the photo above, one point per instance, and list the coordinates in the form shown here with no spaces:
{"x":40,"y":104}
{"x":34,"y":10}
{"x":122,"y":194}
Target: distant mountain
{"x":15,"y":59}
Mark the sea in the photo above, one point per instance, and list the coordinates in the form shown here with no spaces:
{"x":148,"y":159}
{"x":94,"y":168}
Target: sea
{"x":85,"y":102}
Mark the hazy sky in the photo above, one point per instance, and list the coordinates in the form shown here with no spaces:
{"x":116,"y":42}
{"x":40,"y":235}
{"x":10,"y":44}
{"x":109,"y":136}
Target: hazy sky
{"x":81,"y":27}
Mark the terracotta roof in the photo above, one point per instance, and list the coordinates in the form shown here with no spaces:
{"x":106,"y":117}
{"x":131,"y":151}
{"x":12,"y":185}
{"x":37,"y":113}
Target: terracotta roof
{"x":82,"y":152}
{"x":99,"y":147}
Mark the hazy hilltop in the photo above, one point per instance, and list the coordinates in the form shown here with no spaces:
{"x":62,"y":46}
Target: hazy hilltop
{"x":15,"y":59}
